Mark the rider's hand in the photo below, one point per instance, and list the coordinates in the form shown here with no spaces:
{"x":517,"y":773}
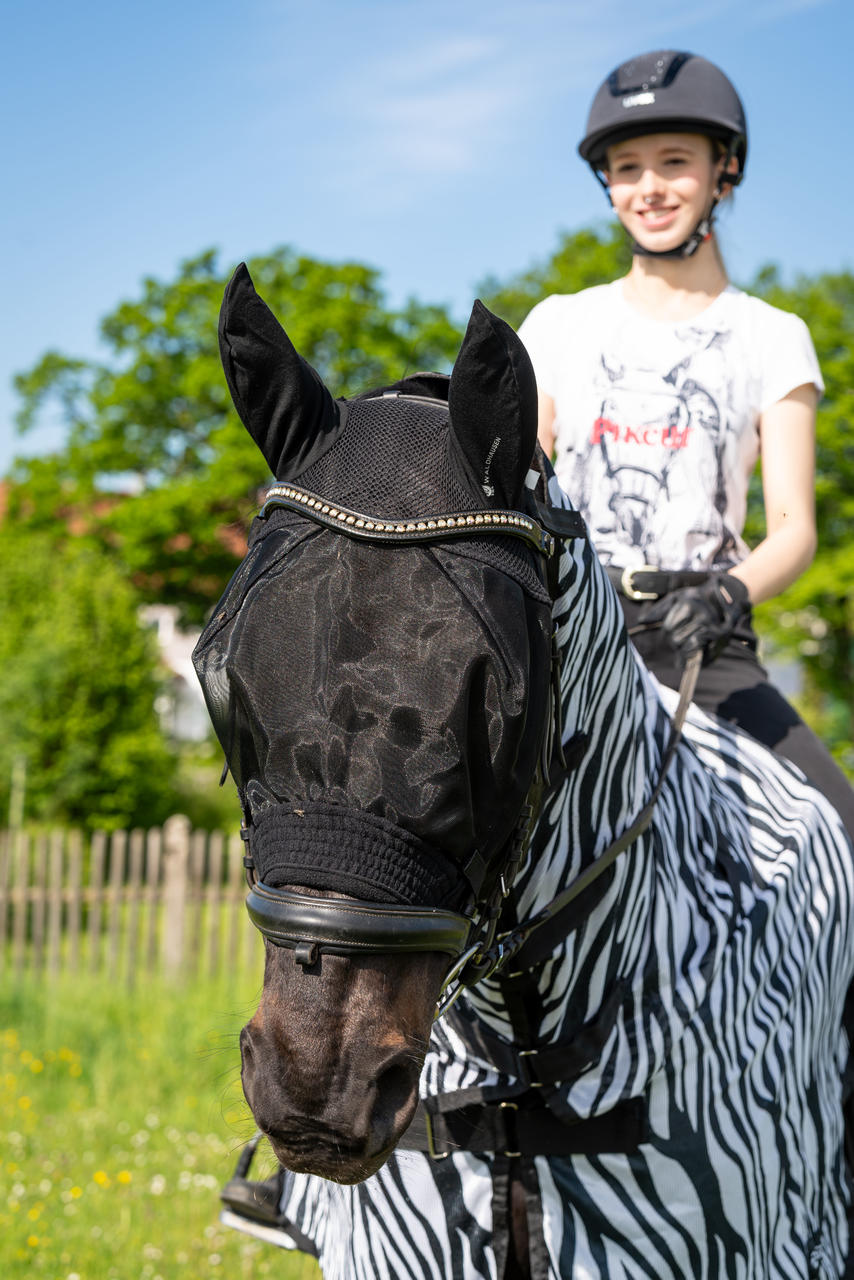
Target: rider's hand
{"x":701,"y":617}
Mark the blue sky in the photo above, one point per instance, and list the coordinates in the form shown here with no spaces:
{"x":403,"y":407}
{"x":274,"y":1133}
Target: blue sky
{"x":433,"y":141}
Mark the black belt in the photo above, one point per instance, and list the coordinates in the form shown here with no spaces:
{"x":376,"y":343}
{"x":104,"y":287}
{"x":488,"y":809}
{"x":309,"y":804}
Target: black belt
{"x":648,"y":583}
{"x":511,"y":1129}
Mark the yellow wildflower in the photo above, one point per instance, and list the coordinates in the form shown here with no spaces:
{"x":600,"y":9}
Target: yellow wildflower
{"x":124,"y":1176}
{"x":102,"y":1179}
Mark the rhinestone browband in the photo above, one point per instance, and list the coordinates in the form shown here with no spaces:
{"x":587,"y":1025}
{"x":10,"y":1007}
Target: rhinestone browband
{"x":427,"y":529}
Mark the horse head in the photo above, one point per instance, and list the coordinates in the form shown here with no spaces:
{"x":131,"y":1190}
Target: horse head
{"x":378,"y":674}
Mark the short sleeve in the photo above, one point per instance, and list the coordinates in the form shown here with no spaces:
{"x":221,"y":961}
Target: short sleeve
{"x":539,"y":333}
{"x":789,"y":358}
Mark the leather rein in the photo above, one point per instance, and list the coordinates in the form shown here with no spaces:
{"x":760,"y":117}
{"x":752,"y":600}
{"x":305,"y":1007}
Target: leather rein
{"x":346,"y":926}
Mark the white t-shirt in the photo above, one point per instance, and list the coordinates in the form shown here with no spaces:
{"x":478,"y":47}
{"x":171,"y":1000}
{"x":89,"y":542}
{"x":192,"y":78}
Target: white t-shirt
{"x":656,"y":425}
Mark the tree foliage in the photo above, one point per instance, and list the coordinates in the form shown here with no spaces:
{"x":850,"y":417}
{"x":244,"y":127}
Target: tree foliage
{"x":813,"y":621}
{"x":155,"y":419}
{"x":77,"y":688}
{"x":582,"y":259}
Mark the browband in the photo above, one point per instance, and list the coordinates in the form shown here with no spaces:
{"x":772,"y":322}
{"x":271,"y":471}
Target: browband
{"x":426,"y":528}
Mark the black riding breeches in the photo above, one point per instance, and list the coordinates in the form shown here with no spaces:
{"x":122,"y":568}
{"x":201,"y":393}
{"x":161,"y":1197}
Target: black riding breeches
{"x":736,"y":687}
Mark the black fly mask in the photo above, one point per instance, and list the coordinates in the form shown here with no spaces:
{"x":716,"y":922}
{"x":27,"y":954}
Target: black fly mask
{"x":378,"y":669}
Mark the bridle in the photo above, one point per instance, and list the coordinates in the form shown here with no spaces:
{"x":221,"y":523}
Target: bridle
{"x":309,"y":925}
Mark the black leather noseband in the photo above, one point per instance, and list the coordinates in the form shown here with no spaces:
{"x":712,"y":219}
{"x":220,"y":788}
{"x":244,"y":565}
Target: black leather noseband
{"x":344,"y":926}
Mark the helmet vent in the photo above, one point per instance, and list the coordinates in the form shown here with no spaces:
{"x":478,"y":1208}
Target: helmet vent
{"x":641,"y":74}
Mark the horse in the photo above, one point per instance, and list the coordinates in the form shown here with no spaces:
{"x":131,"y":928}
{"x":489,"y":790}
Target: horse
{"x":555,"y":964}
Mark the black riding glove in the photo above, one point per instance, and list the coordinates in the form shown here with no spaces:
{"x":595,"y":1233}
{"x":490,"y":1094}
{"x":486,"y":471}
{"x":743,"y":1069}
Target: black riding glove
{"x":702,"y":617}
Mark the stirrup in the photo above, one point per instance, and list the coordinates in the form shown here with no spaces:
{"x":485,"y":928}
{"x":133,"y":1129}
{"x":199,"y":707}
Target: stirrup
{"x":253,"y":1206}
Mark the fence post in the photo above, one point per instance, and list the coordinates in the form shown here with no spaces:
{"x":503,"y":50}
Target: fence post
{"x":136,"y":854}
{"x":97,"y":854}
{"x":55,"y":897}
{"x":153,"y":845}
{"x":118,"y":852}
{"x":6,"y":852}
{"x":75,"y":898}
{"x":176,"y":858}
{"x":215,"y":851}
{"x":196,"y":878}
{"x":38,"y":901}
{"x":20,"y":898}
{"x":236,"y":892}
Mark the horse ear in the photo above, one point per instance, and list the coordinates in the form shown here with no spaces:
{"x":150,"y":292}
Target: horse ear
{"x":281,"y":400}
{"x":493,"y":406}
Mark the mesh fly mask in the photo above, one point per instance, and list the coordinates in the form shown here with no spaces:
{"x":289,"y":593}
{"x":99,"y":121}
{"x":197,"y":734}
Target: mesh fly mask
{"x":378,"y":670}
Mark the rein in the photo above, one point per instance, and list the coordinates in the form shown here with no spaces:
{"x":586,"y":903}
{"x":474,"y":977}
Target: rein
{"x":346,"y":926}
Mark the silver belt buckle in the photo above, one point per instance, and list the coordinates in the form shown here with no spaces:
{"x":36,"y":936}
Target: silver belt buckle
{"x":626,"y":583}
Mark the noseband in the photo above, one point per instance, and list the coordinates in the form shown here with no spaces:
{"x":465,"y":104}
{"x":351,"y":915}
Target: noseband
{"x":309,"y":925}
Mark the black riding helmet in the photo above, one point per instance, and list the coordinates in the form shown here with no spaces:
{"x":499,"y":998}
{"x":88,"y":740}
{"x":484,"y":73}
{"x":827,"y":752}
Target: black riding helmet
{"x":667,"y":92}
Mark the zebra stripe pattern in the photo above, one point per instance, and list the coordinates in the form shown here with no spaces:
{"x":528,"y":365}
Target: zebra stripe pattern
{"x":728,"y":926}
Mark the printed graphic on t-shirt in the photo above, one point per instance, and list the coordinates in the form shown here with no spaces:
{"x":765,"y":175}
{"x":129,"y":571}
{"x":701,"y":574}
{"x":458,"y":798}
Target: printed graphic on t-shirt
{"x":650,"y":474}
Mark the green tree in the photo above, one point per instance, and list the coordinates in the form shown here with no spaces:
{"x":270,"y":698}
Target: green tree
{"x":77,"y":688}
{"x":813,"y":621}
{"x":582,"y":259}
{"x":156,"y":420}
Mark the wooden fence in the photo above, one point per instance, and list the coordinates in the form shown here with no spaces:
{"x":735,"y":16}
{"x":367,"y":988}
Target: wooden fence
{"x":169,"y":900}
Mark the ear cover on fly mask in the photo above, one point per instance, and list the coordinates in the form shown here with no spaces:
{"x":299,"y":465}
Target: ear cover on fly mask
{"x":280,"y":398}
{"x":381,"y":708}
{"x":493,"y":403}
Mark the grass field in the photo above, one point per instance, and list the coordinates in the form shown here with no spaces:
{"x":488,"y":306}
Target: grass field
{"x":121,"y":1116}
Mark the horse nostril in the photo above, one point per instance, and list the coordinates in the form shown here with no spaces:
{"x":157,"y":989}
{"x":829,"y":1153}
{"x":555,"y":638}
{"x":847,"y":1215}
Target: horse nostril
{"x":247,"y":1064}
{"x":395,"y":1087}
{"x":246,"y":1050}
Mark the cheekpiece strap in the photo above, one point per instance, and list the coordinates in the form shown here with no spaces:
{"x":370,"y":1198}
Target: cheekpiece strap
{"x":425,"y":529}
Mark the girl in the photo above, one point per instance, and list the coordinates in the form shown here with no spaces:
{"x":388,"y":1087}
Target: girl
{"x":658,"y":392}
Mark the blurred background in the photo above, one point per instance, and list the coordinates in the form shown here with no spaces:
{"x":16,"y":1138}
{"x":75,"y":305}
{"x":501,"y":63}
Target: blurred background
{"x":379,"y":165}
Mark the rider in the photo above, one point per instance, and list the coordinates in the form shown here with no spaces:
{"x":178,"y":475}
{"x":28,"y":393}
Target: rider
{"x":659,"y":390}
